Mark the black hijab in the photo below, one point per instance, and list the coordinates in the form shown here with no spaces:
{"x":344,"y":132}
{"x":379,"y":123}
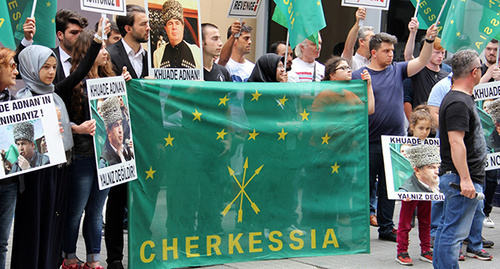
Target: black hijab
{"x":265,"y":68}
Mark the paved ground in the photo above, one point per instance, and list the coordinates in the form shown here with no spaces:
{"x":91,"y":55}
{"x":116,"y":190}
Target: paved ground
{"x":382,"y":254}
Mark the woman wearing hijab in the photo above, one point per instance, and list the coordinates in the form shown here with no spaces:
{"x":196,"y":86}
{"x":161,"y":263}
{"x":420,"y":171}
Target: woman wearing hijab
{"x":8,"y":186}
{"x":41,"y":206}
{"x":269,"y":68}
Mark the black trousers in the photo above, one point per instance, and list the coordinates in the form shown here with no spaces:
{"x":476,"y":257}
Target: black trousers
{"x":115,"y":210}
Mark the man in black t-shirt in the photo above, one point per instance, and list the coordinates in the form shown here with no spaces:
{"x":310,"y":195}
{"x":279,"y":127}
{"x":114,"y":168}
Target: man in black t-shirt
{"x":463,"y":152}
{"x":212,"y":46}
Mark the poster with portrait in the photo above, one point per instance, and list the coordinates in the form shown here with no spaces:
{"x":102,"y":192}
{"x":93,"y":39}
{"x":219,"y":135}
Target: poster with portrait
{"x":175,"y":39}
{"x":114,"y":149}
{"x":31,"y":138}
{"x":398,"y":170}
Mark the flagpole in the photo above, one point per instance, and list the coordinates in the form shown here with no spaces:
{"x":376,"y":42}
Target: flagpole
{"x":440,"y":13}
{"x":104,"y":36}
{"x":416,"y":9}
{"x":286,"y":49}
{"x":33,"y":9}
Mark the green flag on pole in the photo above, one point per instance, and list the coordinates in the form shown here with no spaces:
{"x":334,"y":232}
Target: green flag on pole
{"x":303,"y":19}
{"x":469,"y":25}
{"x":221,"y":182}
{"x":45,"y":15}
{"x":428,"y":11}
{"x":6,"y":35}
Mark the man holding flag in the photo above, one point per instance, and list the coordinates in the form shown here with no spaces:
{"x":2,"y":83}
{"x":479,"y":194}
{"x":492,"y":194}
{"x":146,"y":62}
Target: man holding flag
{"x":388,"y":119}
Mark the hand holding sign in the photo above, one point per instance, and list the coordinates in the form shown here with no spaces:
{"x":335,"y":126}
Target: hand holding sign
{"x":126,"y":74}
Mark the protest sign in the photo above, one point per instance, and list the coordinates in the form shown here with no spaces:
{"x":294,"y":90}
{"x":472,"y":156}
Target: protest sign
{"x":375,"y":4}
{"x":244,"y":9}
{"x":486,"y":91}
{"x":117,"y":7}
{"x":114,"y":151}
{"x":175,"y":41}
{"x":398,"y":168}
{"x":31,"y":138}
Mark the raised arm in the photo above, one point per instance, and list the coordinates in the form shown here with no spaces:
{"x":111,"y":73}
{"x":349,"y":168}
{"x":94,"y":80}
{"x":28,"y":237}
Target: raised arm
{"x":415,"y":65}
{"x":227,"y":49}
{"x":410,"y":44}
{"x":353,"y":35}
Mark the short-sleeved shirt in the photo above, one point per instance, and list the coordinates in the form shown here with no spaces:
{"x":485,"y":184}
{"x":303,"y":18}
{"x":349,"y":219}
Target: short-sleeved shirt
{"x":422,"y":84}
{"x":218,"y":73}
{"x":306,"y":72}
{"x":389,"y":117}
{"x":458,"y":112}
{"x":439,"y":91}
{"x":240,"y":72}
{"x":358,"y":61}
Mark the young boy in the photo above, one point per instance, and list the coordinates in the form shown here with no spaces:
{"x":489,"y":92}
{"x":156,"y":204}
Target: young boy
{"x":425,"y":160}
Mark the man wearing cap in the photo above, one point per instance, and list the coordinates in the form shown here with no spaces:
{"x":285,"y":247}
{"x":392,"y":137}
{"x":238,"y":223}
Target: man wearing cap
{"x":114,"y":150}
{"x":177,"y":53}
{"x":425,"y":161}
{"x":28,"y":156}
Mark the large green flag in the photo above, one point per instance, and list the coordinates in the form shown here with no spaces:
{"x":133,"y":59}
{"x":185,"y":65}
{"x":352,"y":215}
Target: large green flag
{"x":428,"y":11}
{"x":221,"y":182}
{"x":469,"y":25}
{"x":45,"y":14}
{"x":303,"y":19}
{"x":6,"y":36}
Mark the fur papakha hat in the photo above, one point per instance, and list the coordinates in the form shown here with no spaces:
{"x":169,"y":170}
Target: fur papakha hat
{"x":110,"y":111}
{"x":494,"y":110}
{"x":24,"y":131}
{"x":172,"y":9}
{"x":423,"y":155}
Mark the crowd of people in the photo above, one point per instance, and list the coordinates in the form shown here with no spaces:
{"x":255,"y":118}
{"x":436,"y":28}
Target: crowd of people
{"x":419,"y":93}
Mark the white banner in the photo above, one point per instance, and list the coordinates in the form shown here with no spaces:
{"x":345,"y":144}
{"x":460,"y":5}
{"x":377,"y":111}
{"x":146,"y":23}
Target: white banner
{"x":492,"y":161}
{"x":398,"y":169}
{"x":375,"y":4}
{"x":117,"y":7}
{"x":113,"y":138}
{"x":485,"y":91}
{"x":244,"y":9}
{"x":31,"y":138}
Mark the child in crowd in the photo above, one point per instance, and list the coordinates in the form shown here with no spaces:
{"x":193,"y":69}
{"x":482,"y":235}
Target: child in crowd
{"x":425,"y":161}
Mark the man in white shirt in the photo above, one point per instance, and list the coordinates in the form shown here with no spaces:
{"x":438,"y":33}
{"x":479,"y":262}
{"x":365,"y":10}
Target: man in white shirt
{"x":234,"y":51}
{"x":305,"y":68}
{"x":363,"y":34}
{"x":69,"y":25}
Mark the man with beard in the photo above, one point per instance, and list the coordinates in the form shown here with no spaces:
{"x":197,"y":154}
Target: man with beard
{"x":489,"y":69}
{"x":305,"y":68}
{"x":279,"y":47}
{"x":128,"y":52}
{"x":69,"y":25}
{"x":28,"y":156}
{"x":177,"y":53}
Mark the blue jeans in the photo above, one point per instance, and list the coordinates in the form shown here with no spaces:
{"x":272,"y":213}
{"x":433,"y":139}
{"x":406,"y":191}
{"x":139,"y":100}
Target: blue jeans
{"x":385,"y":207}
{"x":476,"y":229}
{"x":8,"y":196}
{"x":84,"y":193}
{"x":455,"y":225}
{"x":436,"y":215}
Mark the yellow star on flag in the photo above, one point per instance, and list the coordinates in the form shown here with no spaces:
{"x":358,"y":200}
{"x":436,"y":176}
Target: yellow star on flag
{"x":458,"y":33}
{"x":304,"y":115}
{"x":253,"y":135}
{"x":53,"y":20}
{"x":256,"y":95}
{"x":221,"y":134}
{"x":150,"y":172}
{"x":282,"y":100}
{"x":169,"y":140}
{"x":197,"y":115}
{"x":452,"y":22}
{"x":282,"y":134}
{"x":223,"y":100}
{"x":325,"y":139}
{"x":318,"y":3}
{"x":48,"y":4}
{"x":335,"y":168}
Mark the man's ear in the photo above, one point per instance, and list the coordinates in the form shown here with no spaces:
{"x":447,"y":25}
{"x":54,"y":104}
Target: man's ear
{"x":60,"y":35}
{"x":128,"y":28}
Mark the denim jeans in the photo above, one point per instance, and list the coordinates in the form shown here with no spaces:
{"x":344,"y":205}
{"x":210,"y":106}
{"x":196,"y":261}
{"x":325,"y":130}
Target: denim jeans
{"x":455,"y":225}
{"x":476,"y":229}
{"x":8,"y":195}
{"x":436,"y":215}
{"x":385,"y":207}
{"x":84,"y":194}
